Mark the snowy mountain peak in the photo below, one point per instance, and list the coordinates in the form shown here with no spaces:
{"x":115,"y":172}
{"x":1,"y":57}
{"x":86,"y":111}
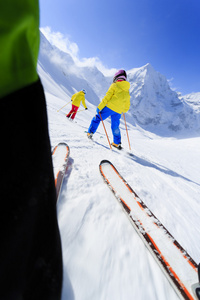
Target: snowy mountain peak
{"x":148,"y":68}
{"x":154,"y":106}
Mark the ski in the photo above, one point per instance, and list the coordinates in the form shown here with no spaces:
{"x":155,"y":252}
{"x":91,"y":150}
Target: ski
{"x":196,"y":286}
{"x":167,"y":252}
{"x":60,"y":155}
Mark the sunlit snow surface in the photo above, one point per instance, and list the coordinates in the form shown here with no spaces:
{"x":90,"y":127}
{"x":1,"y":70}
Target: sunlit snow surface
{"x":104,"y":258}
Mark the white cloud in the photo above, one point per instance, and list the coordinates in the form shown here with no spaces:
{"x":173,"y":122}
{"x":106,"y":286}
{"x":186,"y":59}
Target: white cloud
{"x":171,"y":84}
{"x":63,"y":43}
{"x":60,"y":41}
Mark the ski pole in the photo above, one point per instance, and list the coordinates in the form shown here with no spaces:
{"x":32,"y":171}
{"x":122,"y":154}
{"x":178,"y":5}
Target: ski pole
{"x":127,"y":131}
{"x":80,"y":110}
{"x":105,"y":130}
{"x":63,"y":106}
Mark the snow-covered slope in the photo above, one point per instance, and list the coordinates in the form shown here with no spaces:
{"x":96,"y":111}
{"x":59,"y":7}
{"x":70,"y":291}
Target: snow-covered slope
{"x":104,"y":258}
{"x":154,"y":106}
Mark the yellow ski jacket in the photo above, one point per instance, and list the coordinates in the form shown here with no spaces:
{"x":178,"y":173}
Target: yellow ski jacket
{"x":77,"y":98}
{"x":117,"y":97}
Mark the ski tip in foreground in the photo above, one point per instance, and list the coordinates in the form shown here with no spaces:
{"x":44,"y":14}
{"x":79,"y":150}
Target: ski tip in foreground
{"x":105,"y":161}
{"x":60,"y":157}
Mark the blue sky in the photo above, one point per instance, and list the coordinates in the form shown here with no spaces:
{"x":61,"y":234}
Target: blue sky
{"x":131,"y":33}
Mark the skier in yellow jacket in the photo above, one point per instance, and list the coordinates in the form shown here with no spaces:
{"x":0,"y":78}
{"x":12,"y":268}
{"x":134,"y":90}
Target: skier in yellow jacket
{"x":116,"y":101}
{"x":76,"y":101}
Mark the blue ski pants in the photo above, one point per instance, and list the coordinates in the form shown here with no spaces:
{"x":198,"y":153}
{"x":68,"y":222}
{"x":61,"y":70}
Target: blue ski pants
{"x":115,"y":121}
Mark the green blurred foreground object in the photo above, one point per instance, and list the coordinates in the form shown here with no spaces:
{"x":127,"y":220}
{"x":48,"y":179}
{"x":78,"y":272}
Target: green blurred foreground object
{"x":19,"y":40}
{"x":30,"y":252}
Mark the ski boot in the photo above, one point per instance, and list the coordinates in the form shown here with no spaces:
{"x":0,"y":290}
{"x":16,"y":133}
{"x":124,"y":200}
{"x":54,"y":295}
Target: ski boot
{"x":118,"y":146}
{"x":89,"y":135}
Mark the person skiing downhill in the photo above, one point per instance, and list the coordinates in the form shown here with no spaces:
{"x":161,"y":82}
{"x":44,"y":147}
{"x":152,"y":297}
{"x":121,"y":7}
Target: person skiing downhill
{"x":116,"y":102}
{"x":76,"y":101}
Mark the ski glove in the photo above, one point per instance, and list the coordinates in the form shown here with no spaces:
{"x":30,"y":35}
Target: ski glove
{"x":97,"y":110}
{"x":86,"y":108}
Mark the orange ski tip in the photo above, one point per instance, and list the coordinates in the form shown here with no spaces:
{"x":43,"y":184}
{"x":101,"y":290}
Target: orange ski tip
{"x":126,"y":184}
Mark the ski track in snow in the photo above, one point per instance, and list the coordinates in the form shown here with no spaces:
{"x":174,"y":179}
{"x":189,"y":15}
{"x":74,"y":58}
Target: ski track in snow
{"x":104,"y":258}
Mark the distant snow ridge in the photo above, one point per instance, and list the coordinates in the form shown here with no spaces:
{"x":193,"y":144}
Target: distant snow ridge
{"x":193,"y":100}
{"x":156,"y":107}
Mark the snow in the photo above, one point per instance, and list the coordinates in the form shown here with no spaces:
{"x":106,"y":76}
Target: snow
{"x":104,"y":258}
